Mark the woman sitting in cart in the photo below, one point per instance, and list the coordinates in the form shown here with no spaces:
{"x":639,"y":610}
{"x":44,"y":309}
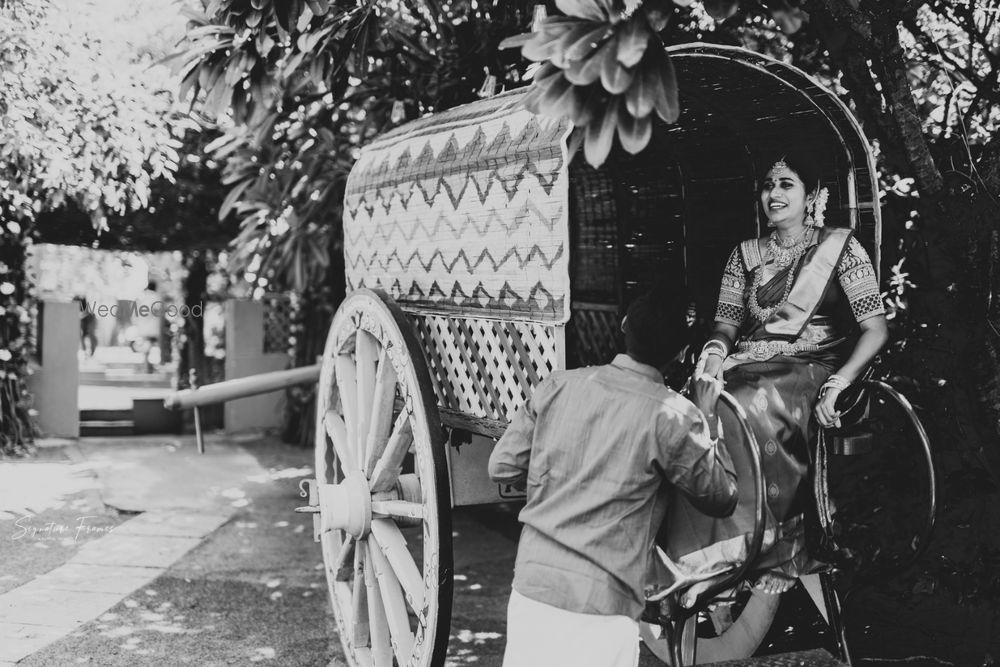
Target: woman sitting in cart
{"x":786,"y":344}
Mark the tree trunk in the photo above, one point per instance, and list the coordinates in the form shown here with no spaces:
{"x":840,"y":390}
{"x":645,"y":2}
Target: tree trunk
{"x":315,"y":314}
{"x":192,"y":367}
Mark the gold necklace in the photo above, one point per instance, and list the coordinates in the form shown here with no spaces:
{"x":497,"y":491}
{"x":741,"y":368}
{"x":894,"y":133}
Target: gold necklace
{"x":785,"y":253}
{"x":794,"y":255}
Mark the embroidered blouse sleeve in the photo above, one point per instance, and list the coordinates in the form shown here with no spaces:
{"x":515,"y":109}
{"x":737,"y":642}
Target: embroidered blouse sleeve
{"x":857,"y":278}
{"x":732,"y":307}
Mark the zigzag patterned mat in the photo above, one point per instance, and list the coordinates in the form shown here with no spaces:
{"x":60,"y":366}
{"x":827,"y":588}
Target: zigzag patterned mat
{"x":476,"y":223}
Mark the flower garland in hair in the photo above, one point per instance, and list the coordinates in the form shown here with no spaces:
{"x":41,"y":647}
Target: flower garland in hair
{"x":819,"y":206}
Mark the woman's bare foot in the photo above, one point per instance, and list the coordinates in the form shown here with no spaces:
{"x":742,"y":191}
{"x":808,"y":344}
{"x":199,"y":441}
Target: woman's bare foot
{"x":774,"y":583}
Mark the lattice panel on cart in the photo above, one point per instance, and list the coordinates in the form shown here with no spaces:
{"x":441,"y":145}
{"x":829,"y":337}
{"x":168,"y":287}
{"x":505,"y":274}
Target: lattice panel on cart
{"x":482,"y":367}
{"x":277,"y":322}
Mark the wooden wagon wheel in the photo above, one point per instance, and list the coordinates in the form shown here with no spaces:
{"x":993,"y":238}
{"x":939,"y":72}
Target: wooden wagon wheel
{"x":382,"y":489}
{"x":739,"y":640}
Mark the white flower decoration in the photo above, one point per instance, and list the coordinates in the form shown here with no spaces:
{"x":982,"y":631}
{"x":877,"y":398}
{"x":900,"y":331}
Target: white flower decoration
{"x":819,"y":206}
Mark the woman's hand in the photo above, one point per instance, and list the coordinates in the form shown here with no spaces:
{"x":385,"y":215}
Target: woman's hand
{"x":713,"y":366}
{"x":826,"y":413}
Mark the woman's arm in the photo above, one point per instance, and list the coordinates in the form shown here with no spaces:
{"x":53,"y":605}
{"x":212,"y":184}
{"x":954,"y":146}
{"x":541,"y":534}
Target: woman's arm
{"x":729,"y":312}
{"x":856,"y":276}
{"x":874,"y":334}
{"x":725,"y":334}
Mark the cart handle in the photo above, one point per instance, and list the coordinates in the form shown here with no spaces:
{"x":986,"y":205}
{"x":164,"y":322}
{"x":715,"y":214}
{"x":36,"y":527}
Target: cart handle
{"x":220,"y":392}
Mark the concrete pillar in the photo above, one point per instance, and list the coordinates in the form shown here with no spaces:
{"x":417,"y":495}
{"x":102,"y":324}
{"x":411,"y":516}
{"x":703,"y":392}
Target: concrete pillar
{"x":245,"y":356}
{"x":56,"y":377}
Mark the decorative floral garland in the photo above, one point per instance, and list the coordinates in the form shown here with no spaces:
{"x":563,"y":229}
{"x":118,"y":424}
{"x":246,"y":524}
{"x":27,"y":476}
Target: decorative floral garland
{"x":815,"y":218}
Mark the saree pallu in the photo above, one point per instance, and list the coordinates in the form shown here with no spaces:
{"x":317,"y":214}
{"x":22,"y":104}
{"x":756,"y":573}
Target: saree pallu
{"x":778,"y":396}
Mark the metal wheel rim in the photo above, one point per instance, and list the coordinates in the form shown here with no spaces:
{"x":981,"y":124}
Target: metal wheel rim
{"x":740,"y":640}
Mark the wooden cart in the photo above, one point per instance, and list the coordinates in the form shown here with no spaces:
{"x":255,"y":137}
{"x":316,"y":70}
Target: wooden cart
{"x":480,"y":258}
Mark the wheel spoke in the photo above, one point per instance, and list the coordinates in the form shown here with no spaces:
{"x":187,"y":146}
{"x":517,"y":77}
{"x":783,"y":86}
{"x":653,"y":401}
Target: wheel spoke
{"x":380,"y":424}
{"x":395,"y":605}
{"x":341,"y":596}
{"x":363,"y":655}
{"x":387,"y":469}
{"x":378,"y":624}
{"x":347,"y":387}
{"x":366,"y":350}
{"x":359,"y":599}
{"x":398,"y":508}
{"x":345,"y":553}
{"x":321,"y":452}
{"x":336,"y":428}
{"x":393,"y":545}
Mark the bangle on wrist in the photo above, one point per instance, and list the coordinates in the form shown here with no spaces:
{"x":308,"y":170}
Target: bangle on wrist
{"x":835,"y":381}
{"x":715,"y":346}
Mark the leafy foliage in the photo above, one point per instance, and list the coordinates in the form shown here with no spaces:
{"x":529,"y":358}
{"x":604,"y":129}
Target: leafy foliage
{"x":305,"y":84}
{"x":76,"y":126}
{"x":606,"y":71}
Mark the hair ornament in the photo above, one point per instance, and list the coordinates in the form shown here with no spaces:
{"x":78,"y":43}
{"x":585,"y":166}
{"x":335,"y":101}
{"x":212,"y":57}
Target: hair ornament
{"x":819,"y":207}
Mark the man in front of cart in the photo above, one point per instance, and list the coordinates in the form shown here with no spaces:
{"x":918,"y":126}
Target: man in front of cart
{"x":597,"y":450}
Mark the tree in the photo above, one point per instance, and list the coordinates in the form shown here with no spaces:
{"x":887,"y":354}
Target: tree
{"x":77,"y":126}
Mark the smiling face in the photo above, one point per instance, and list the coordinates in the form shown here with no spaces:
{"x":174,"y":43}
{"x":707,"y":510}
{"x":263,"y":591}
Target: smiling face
{"x":784,"y":197}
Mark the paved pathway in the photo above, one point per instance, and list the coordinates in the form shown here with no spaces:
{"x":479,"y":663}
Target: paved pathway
{"x":100,"y":574}
{"x":183,"y":497}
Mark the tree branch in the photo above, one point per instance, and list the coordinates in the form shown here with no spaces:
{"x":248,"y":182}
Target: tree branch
{"x":868,"y":104}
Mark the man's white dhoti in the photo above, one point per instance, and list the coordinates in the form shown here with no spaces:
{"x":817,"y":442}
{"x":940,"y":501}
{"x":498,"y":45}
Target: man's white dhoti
{"x":541,"y":635}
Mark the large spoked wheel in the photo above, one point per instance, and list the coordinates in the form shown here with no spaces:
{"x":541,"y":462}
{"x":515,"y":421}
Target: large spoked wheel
{"x":382,"y":489}
{"x":705,"y":641}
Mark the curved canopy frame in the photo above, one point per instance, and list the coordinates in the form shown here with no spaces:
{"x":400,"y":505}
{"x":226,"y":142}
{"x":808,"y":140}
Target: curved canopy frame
{"x":767,"y":105}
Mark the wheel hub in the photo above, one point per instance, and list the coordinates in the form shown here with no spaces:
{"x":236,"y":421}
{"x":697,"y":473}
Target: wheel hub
{"x":346,"y":506}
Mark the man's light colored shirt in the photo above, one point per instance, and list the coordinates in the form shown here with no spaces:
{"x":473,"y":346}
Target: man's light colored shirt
{"x":598,"y":449}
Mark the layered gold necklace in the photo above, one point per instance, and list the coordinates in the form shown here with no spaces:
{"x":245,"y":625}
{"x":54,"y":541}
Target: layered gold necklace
{"x":784,"y":255}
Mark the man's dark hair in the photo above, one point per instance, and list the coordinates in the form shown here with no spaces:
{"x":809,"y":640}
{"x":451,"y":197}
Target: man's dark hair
{"x":656,"y":326}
